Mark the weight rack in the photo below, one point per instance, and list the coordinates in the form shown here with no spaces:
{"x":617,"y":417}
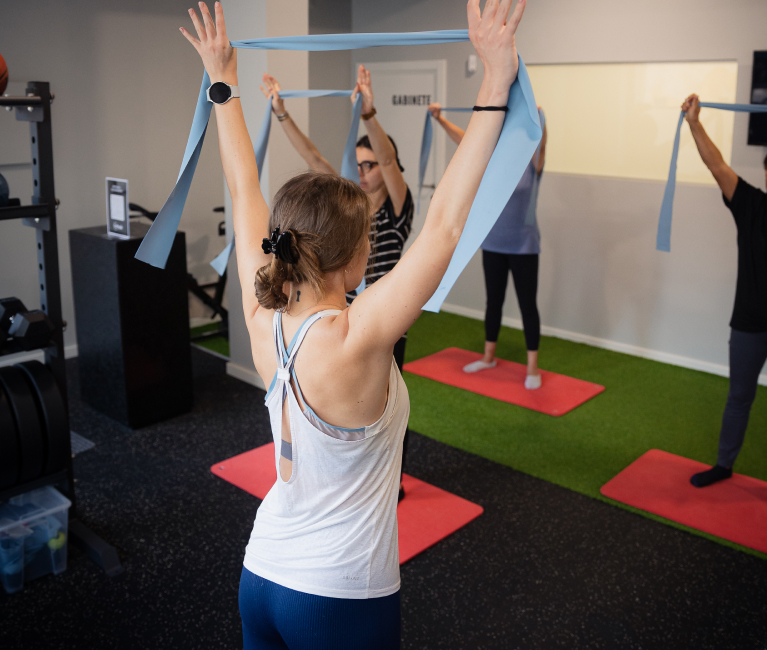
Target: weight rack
{"x":35,"y":108}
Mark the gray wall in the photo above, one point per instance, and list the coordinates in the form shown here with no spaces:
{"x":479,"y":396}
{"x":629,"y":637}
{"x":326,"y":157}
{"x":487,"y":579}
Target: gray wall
{"x":126,"y":84}
{"x":329,"y":116}
{"x":601,"y":279}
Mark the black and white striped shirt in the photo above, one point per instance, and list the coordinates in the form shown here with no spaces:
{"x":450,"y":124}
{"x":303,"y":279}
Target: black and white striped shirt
{"x":389,"y":233}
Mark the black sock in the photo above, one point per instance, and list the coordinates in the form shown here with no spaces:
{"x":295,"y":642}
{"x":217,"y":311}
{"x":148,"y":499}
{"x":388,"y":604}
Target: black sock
{"x":716,"y":473}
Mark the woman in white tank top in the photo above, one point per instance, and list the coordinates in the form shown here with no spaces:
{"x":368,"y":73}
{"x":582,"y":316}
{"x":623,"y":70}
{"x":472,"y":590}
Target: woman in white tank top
{"x":321,"y":569}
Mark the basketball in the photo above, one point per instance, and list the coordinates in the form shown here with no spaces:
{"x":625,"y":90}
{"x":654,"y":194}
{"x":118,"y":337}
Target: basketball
{"x":3,"y":75}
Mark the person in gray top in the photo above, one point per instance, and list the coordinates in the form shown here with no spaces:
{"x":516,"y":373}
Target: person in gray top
{"x":513,"y":244}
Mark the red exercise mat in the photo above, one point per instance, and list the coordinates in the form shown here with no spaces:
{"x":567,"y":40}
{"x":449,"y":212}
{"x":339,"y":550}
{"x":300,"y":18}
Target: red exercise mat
{"x":425,"y":516}
{"x":557,"y":395}
{"x":659,"y":482}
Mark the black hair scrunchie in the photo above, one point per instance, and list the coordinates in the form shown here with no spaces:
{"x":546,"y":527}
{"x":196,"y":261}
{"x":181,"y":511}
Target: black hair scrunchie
{"x":279,"y":246}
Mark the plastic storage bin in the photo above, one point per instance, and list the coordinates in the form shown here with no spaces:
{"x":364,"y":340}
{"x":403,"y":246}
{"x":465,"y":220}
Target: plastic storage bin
{"x":33,"y":536}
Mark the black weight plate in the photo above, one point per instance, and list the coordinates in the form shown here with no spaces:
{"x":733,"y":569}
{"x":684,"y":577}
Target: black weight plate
{"x":30,"y":434}
{"x":9,"y":445}
{"x":52,"y":412}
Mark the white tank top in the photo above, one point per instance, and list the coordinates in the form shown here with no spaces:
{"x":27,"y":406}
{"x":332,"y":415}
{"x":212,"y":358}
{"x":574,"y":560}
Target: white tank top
{"x":331,"y":530}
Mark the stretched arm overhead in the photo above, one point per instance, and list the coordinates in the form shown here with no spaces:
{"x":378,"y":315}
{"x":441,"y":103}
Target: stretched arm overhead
{"x":301,"y":143}
{"x":384,"y":311}
{"x":712,"y":157}
{"x":382,"y":146}
{"x":249,"y":210}
{"x":455,"y":132}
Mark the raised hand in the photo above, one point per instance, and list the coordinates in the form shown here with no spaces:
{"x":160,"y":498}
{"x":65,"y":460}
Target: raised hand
{"x":435,"y":110}
{"x":272,"y":91}
{"x":492,"y":33}
{"x":217,"y":54}
{"x":365,"y":87}
{"x":691,"y":107}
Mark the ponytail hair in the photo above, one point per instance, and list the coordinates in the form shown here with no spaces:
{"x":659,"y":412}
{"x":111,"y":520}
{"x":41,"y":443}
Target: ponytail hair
{"x":319,"y":223}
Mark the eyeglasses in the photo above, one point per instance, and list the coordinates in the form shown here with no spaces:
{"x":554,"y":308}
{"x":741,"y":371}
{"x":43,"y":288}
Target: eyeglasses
{"x":365,"y":166}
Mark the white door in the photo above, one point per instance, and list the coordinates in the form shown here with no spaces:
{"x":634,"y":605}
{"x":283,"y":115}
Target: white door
{"x":403,"y":90}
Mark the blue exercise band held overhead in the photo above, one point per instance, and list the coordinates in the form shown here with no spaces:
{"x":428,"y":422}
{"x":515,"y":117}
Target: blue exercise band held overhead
{"x":348,"y":164}
{"x":516,"y":145}
{"x":663,"y":241}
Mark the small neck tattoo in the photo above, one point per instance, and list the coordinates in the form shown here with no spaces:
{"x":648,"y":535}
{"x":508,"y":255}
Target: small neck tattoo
{"x":298,"y":299}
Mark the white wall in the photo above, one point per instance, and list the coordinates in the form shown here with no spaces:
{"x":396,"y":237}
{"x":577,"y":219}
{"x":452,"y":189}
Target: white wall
{"x":126,"y":84}
{"x":602,"y":281}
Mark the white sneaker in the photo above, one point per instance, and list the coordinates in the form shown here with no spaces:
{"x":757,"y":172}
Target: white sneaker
{"x":532,"y":382}
{"x":476,"y":366}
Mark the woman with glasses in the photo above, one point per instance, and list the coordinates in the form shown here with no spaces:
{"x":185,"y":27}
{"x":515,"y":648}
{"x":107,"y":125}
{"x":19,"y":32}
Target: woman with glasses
{"x":380,"y":178}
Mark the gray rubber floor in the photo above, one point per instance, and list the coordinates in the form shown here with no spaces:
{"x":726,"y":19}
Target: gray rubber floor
{"x":543,"y":567}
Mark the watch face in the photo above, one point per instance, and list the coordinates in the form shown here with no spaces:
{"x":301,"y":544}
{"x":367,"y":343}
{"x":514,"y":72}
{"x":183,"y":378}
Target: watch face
{"x":219,"y":92}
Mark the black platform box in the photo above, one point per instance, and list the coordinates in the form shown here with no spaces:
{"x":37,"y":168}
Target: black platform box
{"x":132,"y":327}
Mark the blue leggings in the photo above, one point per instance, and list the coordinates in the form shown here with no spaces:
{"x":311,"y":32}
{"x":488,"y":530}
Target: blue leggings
{"x":275,"y":617}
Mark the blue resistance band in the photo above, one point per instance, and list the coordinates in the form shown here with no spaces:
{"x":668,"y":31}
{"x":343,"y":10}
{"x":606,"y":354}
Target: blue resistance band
{"x":518,"y":141}
{"x":326,"y":42}
{"x":532,"y":206}
{"x":426,"y":139}
{"x":348,"y":165}
{"x":156,"y":246}
{"x":663,"y":242}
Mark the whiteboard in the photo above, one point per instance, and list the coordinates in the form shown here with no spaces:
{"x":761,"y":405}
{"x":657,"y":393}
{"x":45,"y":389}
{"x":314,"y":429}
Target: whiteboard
{"x":619,"y":119}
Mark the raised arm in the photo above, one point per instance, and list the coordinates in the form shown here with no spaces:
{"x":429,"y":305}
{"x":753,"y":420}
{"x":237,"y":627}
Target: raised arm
{"x":301,"y":143}
{"x":249,"y":210}
{"x":455,"y":132}
{"x":712,"y":157}
{"x":382,"y":146}
{"x":384,"y":311}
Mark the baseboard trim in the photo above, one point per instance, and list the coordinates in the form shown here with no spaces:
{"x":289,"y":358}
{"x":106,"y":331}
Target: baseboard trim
{"x":202,"y":348}
{"x":70,"y":352}
{"x":248,"y":375}
{"x":606,"y":344}
{"x":199,"y":321}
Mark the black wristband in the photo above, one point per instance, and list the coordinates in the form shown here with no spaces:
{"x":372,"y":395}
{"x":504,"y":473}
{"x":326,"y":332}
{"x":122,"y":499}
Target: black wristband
{"x":505,"y":109}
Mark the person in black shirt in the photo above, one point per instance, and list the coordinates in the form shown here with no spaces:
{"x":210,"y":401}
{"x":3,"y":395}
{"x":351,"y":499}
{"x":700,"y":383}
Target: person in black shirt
{"x":748,"y":338}
{"x":380,"y":177}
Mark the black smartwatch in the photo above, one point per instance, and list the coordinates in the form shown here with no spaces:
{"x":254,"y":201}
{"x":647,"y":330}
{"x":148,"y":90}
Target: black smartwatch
{"x":221,"y":92}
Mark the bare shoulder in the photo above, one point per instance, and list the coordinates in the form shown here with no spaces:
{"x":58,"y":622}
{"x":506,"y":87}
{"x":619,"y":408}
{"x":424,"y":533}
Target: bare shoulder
{"x":329,"y":332}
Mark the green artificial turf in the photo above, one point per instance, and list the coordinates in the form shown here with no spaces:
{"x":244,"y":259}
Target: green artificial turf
{"x":218,"y":344}
{"x":646,"y":405}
